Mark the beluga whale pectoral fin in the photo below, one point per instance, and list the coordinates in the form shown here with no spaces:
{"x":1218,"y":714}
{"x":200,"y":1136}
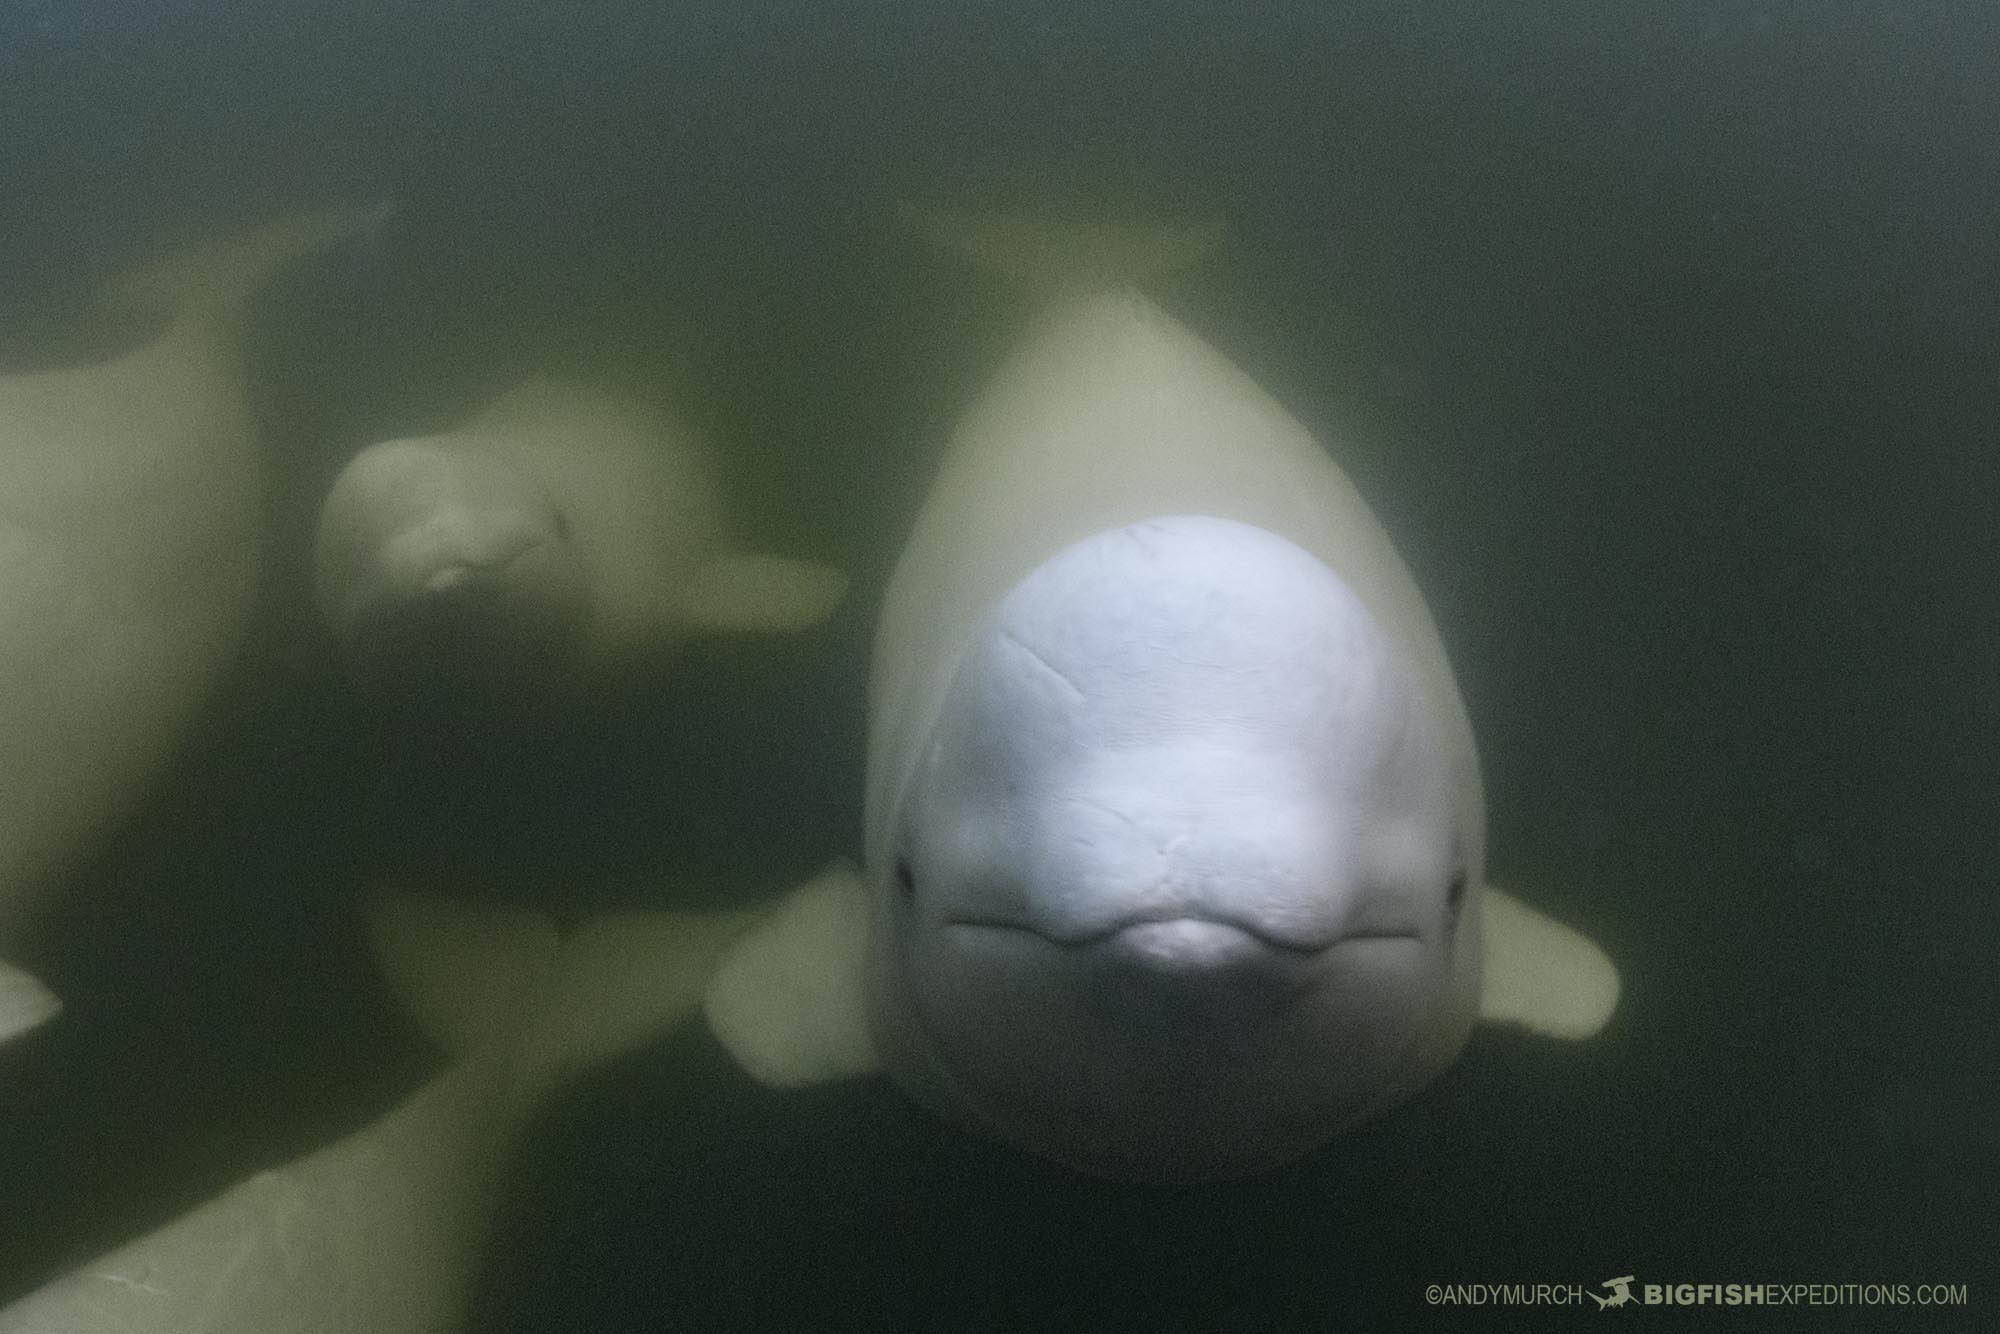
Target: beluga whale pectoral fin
{"x":760,"y":594}
{"x":789,"y":999}
{"x":1542,"y":975}
{"x":25,"y":1004}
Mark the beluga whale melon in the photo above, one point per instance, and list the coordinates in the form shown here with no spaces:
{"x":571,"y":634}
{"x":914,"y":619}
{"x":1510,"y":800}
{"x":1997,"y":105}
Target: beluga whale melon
{"x":560,"y":532}
{"x":1175,"y":845}
{"x":131,"y":534}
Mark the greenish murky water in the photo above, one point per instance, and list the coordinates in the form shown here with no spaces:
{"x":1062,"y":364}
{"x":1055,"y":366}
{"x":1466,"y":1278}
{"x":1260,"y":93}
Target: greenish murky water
{"x":1660,"y":337}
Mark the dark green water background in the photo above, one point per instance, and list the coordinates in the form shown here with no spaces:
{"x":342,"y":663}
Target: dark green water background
{"x":1660,"y":336}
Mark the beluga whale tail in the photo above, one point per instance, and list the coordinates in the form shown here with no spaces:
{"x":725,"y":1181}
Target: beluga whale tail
{"x":1175,"y":859}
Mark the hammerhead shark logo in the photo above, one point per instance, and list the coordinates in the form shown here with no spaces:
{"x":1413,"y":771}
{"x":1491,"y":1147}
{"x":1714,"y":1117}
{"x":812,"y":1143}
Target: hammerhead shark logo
{"x":1621,"y":1292}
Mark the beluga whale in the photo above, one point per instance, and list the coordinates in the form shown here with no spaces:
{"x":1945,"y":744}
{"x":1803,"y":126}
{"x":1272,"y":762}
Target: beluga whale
{"x":558,"y":534}
{"x":381,"y":1229}
{"x":131,"y":536}
{"x":1175,"y":845}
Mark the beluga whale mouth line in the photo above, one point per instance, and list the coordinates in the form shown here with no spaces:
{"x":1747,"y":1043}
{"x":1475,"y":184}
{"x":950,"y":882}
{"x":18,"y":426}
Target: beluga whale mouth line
{"x":1212,"y":926}
{"x":456,"y":573}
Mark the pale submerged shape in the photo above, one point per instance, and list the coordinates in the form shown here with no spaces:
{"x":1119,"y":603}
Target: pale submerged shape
{"x":381,"y":1229}
{"x":561,"y":531}
{"x":131,"y":530}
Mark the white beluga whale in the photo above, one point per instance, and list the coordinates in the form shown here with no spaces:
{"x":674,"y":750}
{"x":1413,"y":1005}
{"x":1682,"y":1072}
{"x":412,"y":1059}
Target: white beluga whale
{"x":561,"y":530}
{"x":1175,"y":845}
{"x":381,"y":1229}
{"x":131,"y":537}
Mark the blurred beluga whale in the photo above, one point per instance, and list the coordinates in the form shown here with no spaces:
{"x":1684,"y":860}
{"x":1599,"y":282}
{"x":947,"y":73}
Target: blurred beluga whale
{"x":25,"y":1004}
{"x":131,"y":536}
{"x":561,"y":530}
{"x":1175,"y":844}
{"x":380,"y":1230}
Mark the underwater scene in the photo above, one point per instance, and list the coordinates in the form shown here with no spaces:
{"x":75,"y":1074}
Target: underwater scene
{"x":998,"y":667}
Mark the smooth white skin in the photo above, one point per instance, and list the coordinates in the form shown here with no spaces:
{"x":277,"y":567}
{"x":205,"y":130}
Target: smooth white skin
{"x":454,"y":538}
{"x":560,"y":528}
{"x":1182,"y":782}
{"x":1182,"y":868}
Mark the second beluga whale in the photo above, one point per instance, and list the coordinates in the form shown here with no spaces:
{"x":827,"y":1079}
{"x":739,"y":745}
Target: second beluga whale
{"x":560,"y":532}
{"x":1175,"y":843}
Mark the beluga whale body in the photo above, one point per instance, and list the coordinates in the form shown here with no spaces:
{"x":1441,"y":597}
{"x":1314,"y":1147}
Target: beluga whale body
{"x":1175,"y":846}
{"x":381,"y":1229}
{"x":560,"y":532}
{"x":131,"y":532}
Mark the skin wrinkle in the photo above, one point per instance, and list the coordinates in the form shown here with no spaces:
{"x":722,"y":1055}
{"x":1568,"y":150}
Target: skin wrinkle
{"x":1009,"y":637}
{"x":1141,"y":535}
{"x":1096,"y":804}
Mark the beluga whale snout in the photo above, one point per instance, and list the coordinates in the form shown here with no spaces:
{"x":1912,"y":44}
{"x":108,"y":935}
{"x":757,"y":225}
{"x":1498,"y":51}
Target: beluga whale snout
{"x":1176,"y":847}
{"x":446,"y":550}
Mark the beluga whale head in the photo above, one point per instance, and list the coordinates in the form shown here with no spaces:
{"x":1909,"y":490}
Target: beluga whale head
{"x":450,"y":550}
{"x":1176,"y":853}
{"x":1180,"y":875}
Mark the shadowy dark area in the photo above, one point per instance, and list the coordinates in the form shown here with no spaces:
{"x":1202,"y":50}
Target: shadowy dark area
{"x":674,"y":1193}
